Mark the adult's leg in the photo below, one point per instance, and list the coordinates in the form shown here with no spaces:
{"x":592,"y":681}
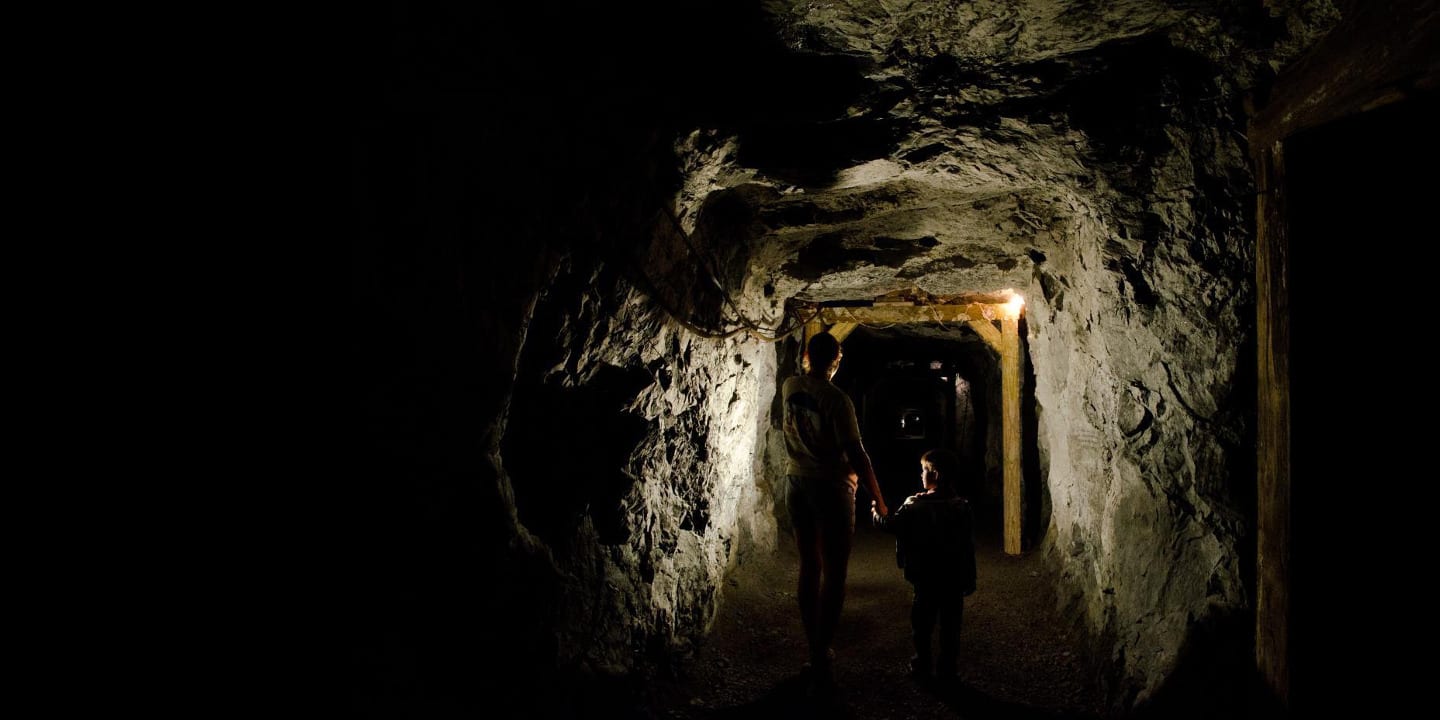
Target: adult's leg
{"x":835,"y":562}
{"x":808,"y":590}
{"x":837,"y":537}
{"x":923,"y":612}
{"x":807,"y":542}
{"x":952,"y":612}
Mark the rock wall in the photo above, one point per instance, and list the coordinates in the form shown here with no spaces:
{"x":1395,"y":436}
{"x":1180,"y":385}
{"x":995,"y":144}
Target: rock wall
{"x":631,"y":444}
{"x":1143,"y":434}
{"x":548,"y":476}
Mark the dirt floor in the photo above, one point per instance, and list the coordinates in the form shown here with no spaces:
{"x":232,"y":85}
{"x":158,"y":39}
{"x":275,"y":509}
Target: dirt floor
{"x":1017,"y":659}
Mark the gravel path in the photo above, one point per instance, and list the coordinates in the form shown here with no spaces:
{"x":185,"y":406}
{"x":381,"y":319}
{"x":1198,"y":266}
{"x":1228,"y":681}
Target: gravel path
{"x":1017,"y":660}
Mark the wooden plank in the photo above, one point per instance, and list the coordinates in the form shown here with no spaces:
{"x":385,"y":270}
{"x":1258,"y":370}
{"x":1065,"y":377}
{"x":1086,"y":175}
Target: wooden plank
{"x":888,"y":314}
{"x":1381,"y":51}
{"x":1010,"y":410}
{"x":842,"y":330}
{"x":1272,"y":611}
{"x":986,"y":330}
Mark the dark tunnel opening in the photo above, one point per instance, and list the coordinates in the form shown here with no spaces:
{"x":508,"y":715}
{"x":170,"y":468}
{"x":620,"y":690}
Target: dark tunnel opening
{"x":1351,"y":181}
{"x":939,"y":386}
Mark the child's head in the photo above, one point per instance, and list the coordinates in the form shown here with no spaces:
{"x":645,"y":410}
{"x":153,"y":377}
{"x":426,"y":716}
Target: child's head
{"x":940,"y":468}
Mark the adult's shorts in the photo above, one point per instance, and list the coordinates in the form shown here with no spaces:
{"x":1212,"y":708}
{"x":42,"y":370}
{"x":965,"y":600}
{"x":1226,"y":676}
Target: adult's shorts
{"x":823,"y":504}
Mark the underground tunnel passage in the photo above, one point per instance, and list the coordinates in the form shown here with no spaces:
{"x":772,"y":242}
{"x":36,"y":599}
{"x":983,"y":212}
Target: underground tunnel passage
{"x":588,"y":242}
{"x":925,"y":385}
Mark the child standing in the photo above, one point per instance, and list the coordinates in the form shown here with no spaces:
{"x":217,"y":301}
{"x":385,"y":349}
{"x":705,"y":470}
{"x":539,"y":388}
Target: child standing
{"x":934,"y":543}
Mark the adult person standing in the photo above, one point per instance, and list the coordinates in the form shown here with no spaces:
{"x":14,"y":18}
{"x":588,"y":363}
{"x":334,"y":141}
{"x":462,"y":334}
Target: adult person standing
{"x":822,"y":438}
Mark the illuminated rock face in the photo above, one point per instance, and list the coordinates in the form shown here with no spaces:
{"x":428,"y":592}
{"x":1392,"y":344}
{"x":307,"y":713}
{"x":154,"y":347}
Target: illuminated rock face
{"x":567,"y":472}
{"x":633,"y":448}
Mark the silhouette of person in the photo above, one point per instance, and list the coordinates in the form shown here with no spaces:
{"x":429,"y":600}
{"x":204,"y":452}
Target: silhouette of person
{"x":822,"y":439}
{"x":935,"y":544}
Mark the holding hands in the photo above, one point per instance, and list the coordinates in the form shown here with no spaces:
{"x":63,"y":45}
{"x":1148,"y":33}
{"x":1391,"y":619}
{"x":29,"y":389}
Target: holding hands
{"x":878,"y":509}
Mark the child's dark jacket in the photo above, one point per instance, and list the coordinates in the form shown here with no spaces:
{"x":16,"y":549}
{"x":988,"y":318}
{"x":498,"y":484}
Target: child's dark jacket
{"x":934,"y":540}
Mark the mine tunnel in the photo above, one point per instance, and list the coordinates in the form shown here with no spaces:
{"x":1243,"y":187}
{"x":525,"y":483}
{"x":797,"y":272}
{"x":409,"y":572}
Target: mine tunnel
{"x":927,"y":385}
{"x":1085,"y":246}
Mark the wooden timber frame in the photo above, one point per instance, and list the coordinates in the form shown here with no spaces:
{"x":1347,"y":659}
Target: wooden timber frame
{"x":840,"y":319}
{"x":1381,"y":52}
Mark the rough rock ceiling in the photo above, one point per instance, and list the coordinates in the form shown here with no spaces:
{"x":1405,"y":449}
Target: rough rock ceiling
{"x":950,"y":145}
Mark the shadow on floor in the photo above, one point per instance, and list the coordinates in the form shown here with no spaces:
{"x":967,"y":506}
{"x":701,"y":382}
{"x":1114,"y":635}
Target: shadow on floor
{"x":793,"y":699}
{"x":969,"y":702}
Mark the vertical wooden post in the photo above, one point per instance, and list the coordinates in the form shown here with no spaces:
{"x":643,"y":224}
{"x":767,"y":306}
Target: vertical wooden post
{"x":1272,"y":602}
{"x":1010,"y":404}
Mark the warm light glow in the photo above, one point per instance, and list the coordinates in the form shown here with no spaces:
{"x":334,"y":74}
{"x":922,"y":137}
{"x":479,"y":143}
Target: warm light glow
{"x":1016,"y":302}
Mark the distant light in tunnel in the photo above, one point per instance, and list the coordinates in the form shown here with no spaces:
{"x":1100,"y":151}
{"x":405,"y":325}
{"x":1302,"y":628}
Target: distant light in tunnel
{"x":912,"y":424}
{"x":937,"y":365}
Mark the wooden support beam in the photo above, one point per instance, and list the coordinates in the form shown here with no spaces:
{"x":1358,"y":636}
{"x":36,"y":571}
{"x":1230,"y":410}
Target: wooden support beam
{"x":888,"y":314}
{"x":986,"y":330}
{"x":842,"y":330}
{"x":1382,"y":51}
{"x":977,"y":316}
{"x":1272,"y":441}
{"x":1010,"y":412}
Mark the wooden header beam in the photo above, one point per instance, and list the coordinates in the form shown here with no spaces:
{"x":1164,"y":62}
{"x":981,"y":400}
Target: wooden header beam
{"x":1382,"y":51}
{"x":889,"y":314}
{"x":987,"y":331}
{"x":842,"y":330}
{"x":979,"y":317}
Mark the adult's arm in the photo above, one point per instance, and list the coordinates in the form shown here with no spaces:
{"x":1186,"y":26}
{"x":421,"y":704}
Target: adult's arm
{"x":897,"y":522}
{"x":860,"y":463}
{"x":848,"y":432}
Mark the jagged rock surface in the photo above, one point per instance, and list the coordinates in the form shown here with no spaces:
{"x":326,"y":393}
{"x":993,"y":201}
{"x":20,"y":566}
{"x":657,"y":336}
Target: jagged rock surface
{"x":1092,"y":157}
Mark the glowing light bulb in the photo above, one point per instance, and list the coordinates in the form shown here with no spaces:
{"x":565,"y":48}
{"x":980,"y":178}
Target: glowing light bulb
{"x":1014,"y":305}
